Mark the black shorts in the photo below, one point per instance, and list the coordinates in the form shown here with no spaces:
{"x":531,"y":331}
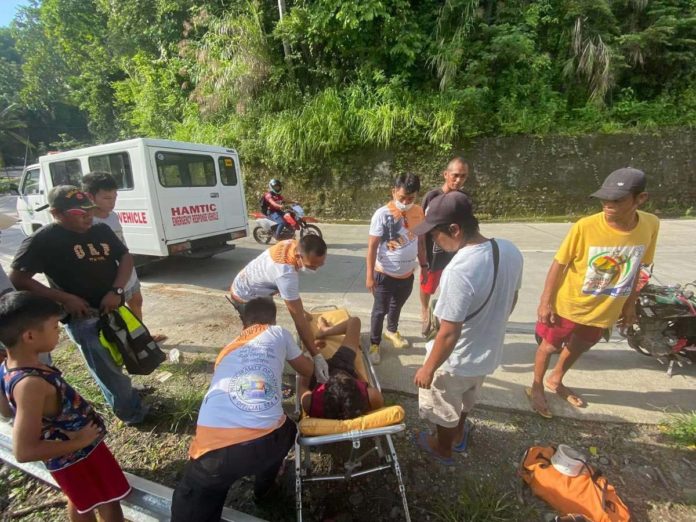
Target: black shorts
{"x":342,"y":361}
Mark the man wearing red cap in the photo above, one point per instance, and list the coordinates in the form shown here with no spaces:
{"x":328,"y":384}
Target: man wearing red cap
{"x":87,"y":268}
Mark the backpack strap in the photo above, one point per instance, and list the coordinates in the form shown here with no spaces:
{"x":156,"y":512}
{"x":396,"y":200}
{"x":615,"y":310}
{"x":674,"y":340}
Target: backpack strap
{"x":496,"y":259}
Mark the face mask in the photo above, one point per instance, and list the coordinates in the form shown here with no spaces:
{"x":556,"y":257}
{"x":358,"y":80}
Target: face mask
{"x":308,"y":270}
{"x":403,"y":207}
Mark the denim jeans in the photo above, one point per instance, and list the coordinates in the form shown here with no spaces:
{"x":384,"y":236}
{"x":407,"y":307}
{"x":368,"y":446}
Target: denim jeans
{"x":390,"y":295}
{"x":114,"y":384}
{"x":277,"y":217}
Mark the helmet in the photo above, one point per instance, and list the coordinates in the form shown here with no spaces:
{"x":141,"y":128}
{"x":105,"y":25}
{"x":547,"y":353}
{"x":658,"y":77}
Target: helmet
{"x":275,"y":185}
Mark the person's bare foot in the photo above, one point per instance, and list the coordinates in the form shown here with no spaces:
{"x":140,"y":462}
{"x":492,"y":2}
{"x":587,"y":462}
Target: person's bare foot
{"x":322,"y":328}
{"x":433,"y":443}
{"x":159,"y":338}
{"x":537,"y":400}
{"x":565,"y":393}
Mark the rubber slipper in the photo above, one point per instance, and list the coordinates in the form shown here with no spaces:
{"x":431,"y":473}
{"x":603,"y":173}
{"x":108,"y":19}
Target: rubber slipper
{"x":421,"y":440}
{"x":463,"y":444}
{"x":574,"y":400}
{"x":544,"y":413}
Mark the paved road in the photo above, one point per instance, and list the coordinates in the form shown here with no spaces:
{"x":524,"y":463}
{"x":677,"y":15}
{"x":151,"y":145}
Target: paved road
{"x":619,"y":383}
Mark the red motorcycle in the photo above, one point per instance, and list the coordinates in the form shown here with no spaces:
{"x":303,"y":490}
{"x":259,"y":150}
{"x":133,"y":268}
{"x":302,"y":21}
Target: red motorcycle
{"x":295,"y":220}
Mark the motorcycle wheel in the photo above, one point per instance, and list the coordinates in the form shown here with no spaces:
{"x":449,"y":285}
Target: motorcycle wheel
{"x":633,"y":343}
{"x":311,"y":230}
{"x":262,"y":236}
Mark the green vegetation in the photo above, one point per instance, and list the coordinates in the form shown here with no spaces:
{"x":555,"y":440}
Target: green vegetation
{"x":682,"y":429}
{"x":483,"y":500}
{"x":334,"y":77}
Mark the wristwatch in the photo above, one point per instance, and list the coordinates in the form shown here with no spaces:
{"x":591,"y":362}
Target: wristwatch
{"x":117,"y":290}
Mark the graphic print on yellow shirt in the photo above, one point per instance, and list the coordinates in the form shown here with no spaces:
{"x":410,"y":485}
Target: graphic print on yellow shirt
{"x":602,"y":264}
{"x":611,"y":270}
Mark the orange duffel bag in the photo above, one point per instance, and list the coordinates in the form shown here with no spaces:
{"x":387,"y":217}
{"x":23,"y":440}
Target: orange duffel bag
{"x":588,"y":493}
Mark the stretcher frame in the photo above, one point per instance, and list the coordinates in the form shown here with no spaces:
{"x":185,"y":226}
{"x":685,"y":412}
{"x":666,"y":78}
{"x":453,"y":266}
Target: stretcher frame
{"x":387,"y":459}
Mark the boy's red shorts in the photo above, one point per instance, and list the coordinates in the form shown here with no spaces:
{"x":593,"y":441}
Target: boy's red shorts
{"x":560,"y":332}
{"x":432,"y":281}
{"x":95,"y":480}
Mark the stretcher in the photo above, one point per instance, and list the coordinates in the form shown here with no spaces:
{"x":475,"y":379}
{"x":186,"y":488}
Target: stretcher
{"x":368,"y":434}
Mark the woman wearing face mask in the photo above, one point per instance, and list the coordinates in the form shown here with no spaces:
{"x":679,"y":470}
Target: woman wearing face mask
{"x":393,"y":253}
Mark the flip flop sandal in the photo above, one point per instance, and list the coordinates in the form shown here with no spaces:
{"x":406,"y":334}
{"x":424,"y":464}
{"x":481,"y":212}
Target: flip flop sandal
{"x":421,"y":440}
{"x":463,"y":444}
{"x":544,"y":413}
{"x":578,"y":403}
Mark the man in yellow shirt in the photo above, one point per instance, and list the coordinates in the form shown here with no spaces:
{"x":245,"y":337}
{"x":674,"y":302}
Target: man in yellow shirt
{"x":591,"y":282}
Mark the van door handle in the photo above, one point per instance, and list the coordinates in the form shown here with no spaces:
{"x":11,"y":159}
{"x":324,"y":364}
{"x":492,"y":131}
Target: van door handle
{"x":214,"y":194}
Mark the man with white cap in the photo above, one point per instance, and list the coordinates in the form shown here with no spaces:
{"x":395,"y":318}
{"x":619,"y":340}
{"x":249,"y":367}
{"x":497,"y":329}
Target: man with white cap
{"x":592,"y":282}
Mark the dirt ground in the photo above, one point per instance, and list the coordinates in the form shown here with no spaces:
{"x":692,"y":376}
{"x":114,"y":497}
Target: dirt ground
{"x":656,"y":479}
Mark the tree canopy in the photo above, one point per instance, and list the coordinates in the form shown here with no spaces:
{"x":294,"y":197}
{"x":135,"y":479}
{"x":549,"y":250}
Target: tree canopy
{"x":334,"y":76}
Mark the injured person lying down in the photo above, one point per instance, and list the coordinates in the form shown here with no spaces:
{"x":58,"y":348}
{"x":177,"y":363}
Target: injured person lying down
{"x":344,"y":395}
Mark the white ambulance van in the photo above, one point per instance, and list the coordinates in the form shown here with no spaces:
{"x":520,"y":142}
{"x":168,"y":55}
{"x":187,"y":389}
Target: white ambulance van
{"x":174,"y":198}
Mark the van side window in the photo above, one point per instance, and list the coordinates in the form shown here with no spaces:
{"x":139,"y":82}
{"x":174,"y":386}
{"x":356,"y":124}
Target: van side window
{"x":30,"y":184}
{"x":67,"y":172}
{"x":185,"y":170}
{"x":117,"y":164}
{"x":228,"y":172}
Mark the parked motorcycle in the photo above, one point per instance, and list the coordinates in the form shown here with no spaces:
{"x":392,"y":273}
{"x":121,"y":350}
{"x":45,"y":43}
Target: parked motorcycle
{"x":295,"y":219}
{"x":666,"y":327}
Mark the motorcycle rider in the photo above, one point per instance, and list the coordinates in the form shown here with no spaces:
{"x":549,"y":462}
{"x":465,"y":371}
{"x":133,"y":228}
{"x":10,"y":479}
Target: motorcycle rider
{"x":273,"y":204}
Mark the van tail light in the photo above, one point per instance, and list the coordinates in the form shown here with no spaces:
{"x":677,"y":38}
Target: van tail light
{"x":179,"y":247}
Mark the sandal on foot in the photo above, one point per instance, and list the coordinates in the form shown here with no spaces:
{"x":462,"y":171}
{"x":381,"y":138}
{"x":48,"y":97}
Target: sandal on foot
{"x":567,"y":395}
{"x":463,"y":444}
{"x":546,"y":413}
{"x":421,"y":440}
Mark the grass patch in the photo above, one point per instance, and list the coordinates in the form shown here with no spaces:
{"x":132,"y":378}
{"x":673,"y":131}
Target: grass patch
{"x":682,"y":428}
{"x":184,"y":369}
{"x":483,"y":500}
{"x":181,"y":412}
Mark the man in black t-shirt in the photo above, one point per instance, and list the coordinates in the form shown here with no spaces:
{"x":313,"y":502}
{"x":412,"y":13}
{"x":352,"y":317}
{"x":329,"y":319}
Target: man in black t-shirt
{"x":455,"y":175}
{"x":87,"y":268}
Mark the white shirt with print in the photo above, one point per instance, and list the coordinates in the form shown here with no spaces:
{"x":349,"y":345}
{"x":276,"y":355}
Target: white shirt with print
{"x":246,"y":389}
{"x":397,"y":253}
{"x":263,"y":277}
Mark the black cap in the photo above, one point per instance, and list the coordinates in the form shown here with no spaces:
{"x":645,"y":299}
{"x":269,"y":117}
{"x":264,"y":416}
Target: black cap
{"x":67,"y":197}
{"x":452,"y":207}
{"x":621,"y":183}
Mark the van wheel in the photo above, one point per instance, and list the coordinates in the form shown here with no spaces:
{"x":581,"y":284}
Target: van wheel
{"x":310,"y":230}
{"x":262,"y":236}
